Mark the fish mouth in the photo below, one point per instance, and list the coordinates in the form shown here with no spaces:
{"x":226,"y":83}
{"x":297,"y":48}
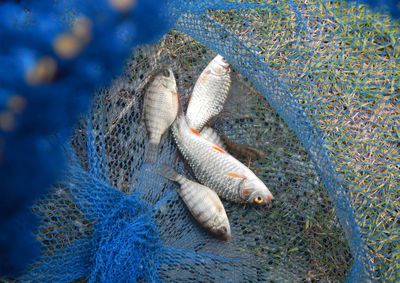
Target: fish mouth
{"x":226,"y":237}
{"x":160,"y":71}
{"x":269,"y":199}
{"x":223,"y":233}
{"x":222,"y":62}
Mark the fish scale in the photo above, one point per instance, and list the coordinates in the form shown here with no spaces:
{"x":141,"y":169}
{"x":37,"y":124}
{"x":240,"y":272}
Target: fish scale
{"x":209,"y":93}
{"x":202,"y":202}
{"x":156,"y":122}
{"x":160,"y":109}
{"x":207,"y":101}
{"x":217,"y":169}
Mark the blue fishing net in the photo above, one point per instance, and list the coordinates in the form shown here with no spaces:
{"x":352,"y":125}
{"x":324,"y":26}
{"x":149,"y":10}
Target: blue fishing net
{"x":315,"y":85}
{"x":52,"y":57}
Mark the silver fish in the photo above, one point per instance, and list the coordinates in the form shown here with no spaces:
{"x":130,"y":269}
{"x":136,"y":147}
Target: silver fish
{"x":202,"y":202}
{"x":209,"y":93}
{"x":160,"y":109}
{"x":217,"y":169}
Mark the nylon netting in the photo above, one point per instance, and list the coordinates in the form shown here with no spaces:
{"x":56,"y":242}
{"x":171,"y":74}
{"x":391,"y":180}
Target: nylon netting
{"x":296,"y":95}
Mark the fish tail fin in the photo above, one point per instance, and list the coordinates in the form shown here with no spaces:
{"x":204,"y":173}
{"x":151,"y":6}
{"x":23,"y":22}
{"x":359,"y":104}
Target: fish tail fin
{"x":151,"y":153}
{"x":169,"y":173}
{"x":180,"y":108}
{"x":242,"y":149}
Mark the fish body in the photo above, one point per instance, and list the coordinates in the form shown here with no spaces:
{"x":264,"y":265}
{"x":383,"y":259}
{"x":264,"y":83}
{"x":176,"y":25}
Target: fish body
{"x":217,"y":169}
{"x":202,"y":202}
{"x":209,"y":93}
{"x":160,"y":109}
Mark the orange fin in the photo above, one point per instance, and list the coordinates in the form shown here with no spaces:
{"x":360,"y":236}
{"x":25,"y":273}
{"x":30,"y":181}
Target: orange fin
{"x":235,"y":175}
{"x":194,"y":131}
{"x":218,"y":148}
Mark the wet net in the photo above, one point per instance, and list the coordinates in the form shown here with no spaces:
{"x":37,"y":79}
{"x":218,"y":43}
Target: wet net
{"x":315,"y":85}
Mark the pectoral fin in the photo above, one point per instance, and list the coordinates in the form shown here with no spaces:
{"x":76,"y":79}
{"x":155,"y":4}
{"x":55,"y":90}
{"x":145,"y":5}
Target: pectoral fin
{"x":235,"y":175}
{"x":218,"y":148}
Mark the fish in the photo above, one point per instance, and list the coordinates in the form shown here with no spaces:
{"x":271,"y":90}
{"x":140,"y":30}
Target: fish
{"x":207,"y":101}
{"x":161,"y":102}
{"x":215,"y":168}
{"x":202,"y":202}
{"x":225,"y":143}
{"x":209,"y":93}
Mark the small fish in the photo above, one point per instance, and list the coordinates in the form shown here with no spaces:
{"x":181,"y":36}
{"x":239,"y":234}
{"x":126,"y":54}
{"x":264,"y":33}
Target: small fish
{"x":160,"y":109}
{"x":209,"y":93}
{"x":202,"y":202}
{"x":216,"y":168}
{"x":244,"y":150}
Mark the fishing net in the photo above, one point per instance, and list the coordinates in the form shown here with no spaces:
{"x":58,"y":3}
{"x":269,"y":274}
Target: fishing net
{"x":52,"y":57}
{"x":315,"y":85}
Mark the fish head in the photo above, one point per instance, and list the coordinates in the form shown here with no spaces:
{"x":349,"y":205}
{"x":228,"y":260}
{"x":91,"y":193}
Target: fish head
{"x":223,"y":231}
{"x":255,"y":191}
{"x":165,"y":76}
{"x":219,"y":66}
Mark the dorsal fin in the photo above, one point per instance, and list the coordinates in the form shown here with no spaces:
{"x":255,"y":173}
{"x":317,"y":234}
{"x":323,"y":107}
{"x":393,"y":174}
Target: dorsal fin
{"x":235,"y":175}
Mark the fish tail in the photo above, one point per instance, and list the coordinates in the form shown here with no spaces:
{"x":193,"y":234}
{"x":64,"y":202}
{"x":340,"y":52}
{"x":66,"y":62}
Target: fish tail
{"x":180,"y":109}
{"x":243,"y":150}
{"x":151,"y":153}
{"x":169,"y":173}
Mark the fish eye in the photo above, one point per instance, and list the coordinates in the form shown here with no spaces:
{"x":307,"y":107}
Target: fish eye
{"x":165,"y":73}
{"x":258,"y":200}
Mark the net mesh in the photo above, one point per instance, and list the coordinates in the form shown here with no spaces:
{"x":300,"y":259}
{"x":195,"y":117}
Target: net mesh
{"x":315,"y":85}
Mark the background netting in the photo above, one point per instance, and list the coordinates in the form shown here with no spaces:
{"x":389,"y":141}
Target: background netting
{"x":315,"y":85}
